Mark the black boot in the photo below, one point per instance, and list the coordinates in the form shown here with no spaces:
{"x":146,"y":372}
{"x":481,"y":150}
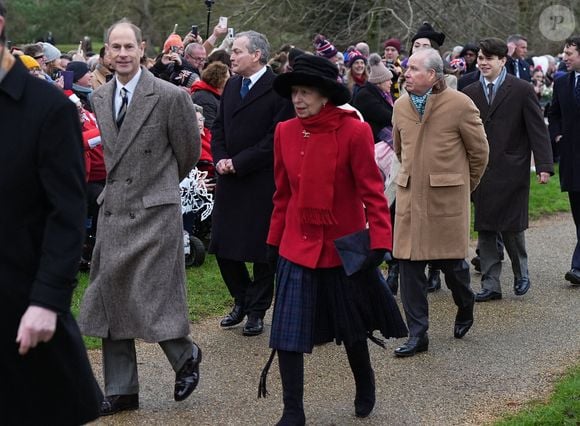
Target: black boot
{"x":433,"y":280}
{"x":393,"y":278}
{"x":364,"y":377}
{"x":292,"y":375}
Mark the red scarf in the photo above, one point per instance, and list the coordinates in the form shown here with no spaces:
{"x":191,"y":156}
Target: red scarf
{"x":202,"y":85}
{"x":359,"y":80}
{"x":316,"y":191}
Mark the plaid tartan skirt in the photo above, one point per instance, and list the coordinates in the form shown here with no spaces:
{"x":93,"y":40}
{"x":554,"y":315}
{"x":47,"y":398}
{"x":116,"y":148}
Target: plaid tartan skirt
{"x":315,"y":306}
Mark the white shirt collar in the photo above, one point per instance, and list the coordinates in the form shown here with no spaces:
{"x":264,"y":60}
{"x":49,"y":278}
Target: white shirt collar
{"x":130,"y":86}
{"x":256,"y":76}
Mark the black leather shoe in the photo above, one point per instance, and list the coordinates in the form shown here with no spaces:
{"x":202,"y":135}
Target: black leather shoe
{"x":463,"y":320}
{"x":485,"y":295}
{"x":573,"y":275}
{"x":235,"y":317}
{"x":254,"y":326}
{"x":115,"y":403}
{"x":521,"y":286}
{"x":187,"y":378}
{"x":434,"y":280}
{"x":412,"y":346}
{"x":476,"y":262}
{"x":393,"y":278}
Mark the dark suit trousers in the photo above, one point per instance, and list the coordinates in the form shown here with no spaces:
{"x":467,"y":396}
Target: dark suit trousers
{"x":414,"y":289}
{"x":515,"y":245}
{"x":255,"y":296}
{"x":574,"y":197}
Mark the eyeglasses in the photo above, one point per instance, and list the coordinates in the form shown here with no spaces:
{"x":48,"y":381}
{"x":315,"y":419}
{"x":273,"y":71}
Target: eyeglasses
{"x":39,"y":57}
{"x":196,"y":58}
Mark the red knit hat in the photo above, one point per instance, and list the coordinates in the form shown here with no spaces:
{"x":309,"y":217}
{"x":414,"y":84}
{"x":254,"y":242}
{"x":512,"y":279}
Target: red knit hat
{"x":393,"y":42}
{"x":172,"y":40}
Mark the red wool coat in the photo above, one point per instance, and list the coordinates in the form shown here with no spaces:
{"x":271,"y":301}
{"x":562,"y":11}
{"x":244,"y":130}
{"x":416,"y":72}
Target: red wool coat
{"x":357,"y":182}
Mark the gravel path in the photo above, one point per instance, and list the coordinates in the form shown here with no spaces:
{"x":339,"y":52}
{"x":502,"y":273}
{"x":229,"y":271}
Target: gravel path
{"x":514,"y":352}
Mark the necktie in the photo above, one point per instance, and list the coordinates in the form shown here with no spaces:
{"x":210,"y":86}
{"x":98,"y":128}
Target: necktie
{"x":123,"y":110}
{"x":490,"y":92}
{"x":577,"y":90}
{"x":517,"y":68}
{"x":245,"y":87}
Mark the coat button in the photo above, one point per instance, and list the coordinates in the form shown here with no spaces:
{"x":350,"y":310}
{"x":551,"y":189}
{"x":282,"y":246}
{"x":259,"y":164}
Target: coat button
{"x":132,"y":215}
{"x":129,"y":181}
{"x":107,"y":213}
{"x":301,"y":152}
{"x":304,"y":237}
{"x":147,"y":151}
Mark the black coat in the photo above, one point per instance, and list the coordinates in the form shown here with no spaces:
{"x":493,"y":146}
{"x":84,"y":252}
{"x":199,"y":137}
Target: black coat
{"x":564,"y":117}
{"x":515,"y":128}
{"x":244,"y":132}
{"x":466,"y":79}
{"x":523,"y":66}
{"x":210,"y":103}
{"x":41,"y":230}
{"x":374,"y":108}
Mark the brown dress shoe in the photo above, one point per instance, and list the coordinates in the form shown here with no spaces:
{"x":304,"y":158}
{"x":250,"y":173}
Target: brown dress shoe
{"x":115,"y":403}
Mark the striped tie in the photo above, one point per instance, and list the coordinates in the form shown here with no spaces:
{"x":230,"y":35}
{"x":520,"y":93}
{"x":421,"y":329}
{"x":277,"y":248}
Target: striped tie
{"x":123,"y":110}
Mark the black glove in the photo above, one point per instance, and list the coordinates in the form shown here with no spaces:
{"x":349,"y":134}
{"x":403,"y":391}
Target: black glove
{"x":272,"y":257}
{"x":374,"y":258}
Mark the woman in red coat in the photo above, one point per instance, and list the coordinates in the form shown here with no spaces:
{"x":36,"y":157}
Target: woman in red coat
{"x":325,"y":177}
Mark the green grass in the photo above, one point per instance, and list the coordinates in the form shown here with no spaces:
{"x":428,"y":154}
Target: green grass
{"x":65,"y":48}
{"x":547,"y":199}
{"x":563,"y":407}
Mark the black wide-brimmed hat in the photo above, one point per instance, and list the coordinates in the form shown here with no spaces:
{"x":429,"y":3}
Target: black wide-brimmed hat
{"x":317,"y":72}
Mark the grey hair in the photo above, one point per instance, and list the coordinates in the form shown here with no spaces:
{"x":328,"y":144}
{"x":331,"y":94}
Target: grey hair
{"x":189,"y":48}
{"x":198,"y":108}
{"x":433,"y":61}
{"x":514,"y":38}
{"x":257,"y":41}
{"x":125,"y":21}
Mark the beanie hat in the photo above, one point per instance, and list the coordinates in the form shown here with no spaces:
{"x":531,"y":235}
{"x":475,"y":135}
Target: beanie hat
{"x":51,"y":53}
{"x":427,"y":31}
{"x":323,"y":47}
{"x":393,"y":42}
{"x":172,"y":40}
{"x":29,"y":62}
{"x":78,"y":68}
{"x":469,"y":47}
{"x":379,"y":73}
{"x":354,"y":56}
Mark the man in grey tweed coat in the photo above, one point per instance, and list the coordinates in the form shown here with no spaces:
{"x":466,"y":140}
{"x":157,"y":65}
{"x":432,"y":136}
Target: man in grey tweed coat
{"x":137,"y":283}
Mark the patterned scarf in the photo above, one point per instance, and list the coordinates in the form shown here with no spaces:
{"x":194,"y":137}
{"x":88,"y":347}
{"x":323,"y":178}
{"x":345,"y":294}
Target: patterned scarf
{"x":420,"y":101}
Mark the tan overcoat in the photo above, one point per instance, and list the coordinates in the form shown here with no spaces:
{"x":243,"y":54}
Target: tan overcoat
{"x":443,"y":156}
{"x":137,"y":282}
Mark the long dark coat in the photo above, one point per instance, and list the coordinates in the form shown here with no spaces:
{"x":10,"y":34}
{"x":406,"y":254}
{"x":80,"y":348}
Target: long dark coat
{"x":515,"y":128}
{"x":41,"y":230}
{"x":564,"y":116}
{"x":374,"y":108}
{"x":244,"y":132}
{"x":137,"y":283}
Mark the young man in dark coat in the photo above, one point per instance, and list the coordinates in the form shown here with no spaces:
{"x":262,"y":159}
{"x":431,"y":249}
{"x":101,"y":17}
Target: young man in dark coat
{"x":242,"y":148}
{"x":45,"y":375}
{"x":564,"y":118}
{"x":515,"y":129}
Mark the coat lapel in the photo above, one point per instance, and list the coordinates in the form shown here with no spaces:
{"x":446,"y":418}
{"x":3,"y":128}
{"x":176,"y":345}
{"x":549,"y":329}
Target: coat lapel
{"x":142,"y":103}
{"x":102,"y":101}
{"x":501,"y":94}
{"x":261,"y":87}
{"x":477,"y":95}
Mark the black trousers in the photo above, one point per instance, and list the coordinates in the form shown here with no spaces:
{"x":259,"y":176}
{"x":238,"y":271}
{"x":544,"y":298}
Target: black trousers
{"x":574,"y":198}
{"x":414,"y":289}
{"x":255,"y":295}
